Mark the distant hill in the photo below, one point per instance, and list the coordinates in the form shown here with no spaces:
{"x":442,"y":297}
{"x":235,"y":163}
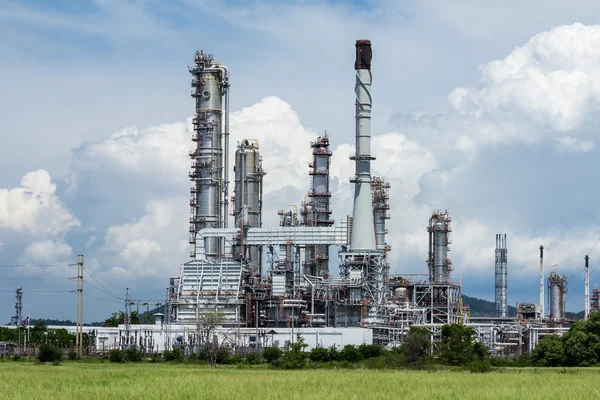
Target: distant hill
{"x":484,"y":308}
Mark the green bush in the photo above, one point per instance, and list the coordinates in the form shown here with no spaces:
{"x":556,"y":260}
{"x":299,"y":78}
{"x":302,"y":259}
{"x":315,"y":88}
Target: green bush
{"x":235,"y":359}
{"x":133,"y":354}
{"x":369,"y":350}
{"x":480,"y":367}
{"x":116,"y":355}
{"x":49,"y":353}
{"x":319,"y":355}
{"x":350,"y":353}
{"x":16,"y":357}
{"x":334,"y":354}
{"x":386,"y":361}
{"x":156,"y":357}
{"x":271,"y":354}
{"x":72,"y":355}
{"x":173,"y":355}
{"x":253,"y":359}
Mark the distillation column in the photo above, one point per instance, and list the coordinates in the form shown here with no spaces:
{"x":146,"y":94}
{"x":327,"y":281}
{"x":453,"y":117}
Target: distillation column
{"x":557,"y":287}
{"x":209,"y":199}
{"x":248,"y":189}
{"x":439,"y":240}
{"x":501,"y":277}
{"x":380,"y":190}
{"x":317,"y":212}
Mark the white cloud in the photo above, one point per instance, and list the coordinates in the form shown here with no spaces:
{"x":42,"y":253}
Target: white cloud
{"x":152,"y":246}
{"x":574,"y":145}
{"x":34,"y":208}
{"x":47,"y":252}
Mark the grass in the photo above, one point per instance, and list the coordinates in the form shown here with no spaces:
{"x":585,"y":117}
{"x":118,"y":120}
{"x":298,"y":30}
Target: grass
{"x":88,"y":381}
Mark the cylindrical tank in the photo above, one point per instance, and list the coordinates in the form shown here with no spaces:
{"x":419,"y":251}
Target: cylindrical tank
{"x":399,"y":293}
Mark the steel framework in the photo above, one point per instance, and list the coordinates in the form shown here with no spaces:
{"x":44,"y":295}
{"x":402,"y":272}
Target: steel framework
{"x":501,"y":272}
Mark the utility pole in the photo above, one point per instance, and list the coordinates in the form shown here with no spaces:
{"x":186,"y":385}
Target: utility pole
{"x":79,"y":311}
{"x":127,"y":318}
{"x":587,"y":287}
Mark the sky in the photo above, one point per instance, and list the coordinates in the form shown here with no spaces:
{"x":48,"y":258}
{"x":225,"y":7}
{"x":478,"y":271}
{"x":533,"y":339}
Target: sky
{"x":486,"y":109}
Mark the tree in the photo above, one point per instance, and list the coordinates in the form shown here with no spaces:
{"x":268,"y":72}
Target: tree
{"x":458,"y":346}
{"x":319,"y":354}
{"x":350,"y":353}
{"x":295,"y":357}
{"x":271,"y":354}
{"x":548,"y":352}
{"x":213,"y":347}
{"x":416,"y":345}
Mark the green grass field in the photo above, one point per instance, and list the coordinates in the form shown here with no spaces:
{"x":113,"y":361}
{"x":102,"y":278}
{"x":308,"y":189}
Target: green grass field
{"x":84,"y":381}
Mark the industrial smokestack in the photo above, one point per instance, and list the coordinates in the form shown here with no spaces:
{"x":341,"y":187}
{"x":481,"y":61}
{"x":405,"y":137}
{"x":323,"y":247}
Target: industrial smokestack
{"x":542,"y":281}
{"x":587,"y":287}
{"x":363,"y":234}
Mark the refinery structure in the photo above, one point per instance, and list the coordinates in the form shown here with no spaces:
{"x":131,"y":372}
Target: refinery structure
{"x":280,"y":277}
{"x":267,"y":278}
{"x":264,"y":284}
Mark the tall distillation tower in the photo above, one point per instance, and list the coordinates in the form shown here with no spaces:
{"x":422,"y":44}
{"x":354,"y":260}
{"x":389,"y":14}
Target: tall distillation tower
{"x":439,"y":240}
{"x":248,"y":190}
{"x":557,"y":287}
{"x":362,"y":264}
{"x":209,"y":174}
{"x":501,"y":272}
{"x":317,"y":212}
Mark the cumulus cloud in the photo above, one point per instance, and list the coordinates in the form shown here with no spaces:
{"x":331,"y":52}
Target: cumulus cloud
{"x":34,"y":208}
{"x":47,"y":252}
{"x":152,"y":246}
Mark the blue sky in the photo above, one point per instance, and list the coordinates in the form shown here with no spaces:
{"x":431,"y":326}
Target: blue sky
{"x":485,"y":108}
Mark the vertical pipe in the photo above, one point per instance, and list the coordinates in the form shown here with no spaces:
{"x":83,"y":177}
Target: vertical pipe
{"x":542,"y":281}
{"x":587,"y":287}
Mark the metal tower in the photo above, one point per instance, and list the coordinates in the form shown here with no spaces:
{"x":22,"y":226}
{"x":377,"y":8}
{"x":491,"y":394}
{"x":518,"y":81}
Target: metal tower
{"x":17,"y":319}
{"x":557,"y":287}
{"x":362,"y":262}
{"x":317,"y":211}
{"x":501,"y":277}
{"x":380,"y":190}
{"x":210,"y":167}
{"x":439,"y":240}
{"x":248,"y":190}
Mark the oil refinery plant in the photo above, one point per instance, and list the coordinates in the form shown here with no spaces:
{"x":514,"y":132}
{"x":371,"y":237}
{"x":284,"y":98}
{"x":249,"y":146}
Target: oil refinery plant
{"x":267,"y":278}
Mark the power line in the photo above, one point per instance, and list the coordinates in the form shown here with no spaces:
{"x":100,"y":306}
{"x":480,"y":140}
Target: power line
{"x":36,"y":265}
{"x":97,"y":288}
{"x":107,"y":289}
{"x":101,"y":298}
{"x":39,"y":291}
{"x":35,"y":278}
